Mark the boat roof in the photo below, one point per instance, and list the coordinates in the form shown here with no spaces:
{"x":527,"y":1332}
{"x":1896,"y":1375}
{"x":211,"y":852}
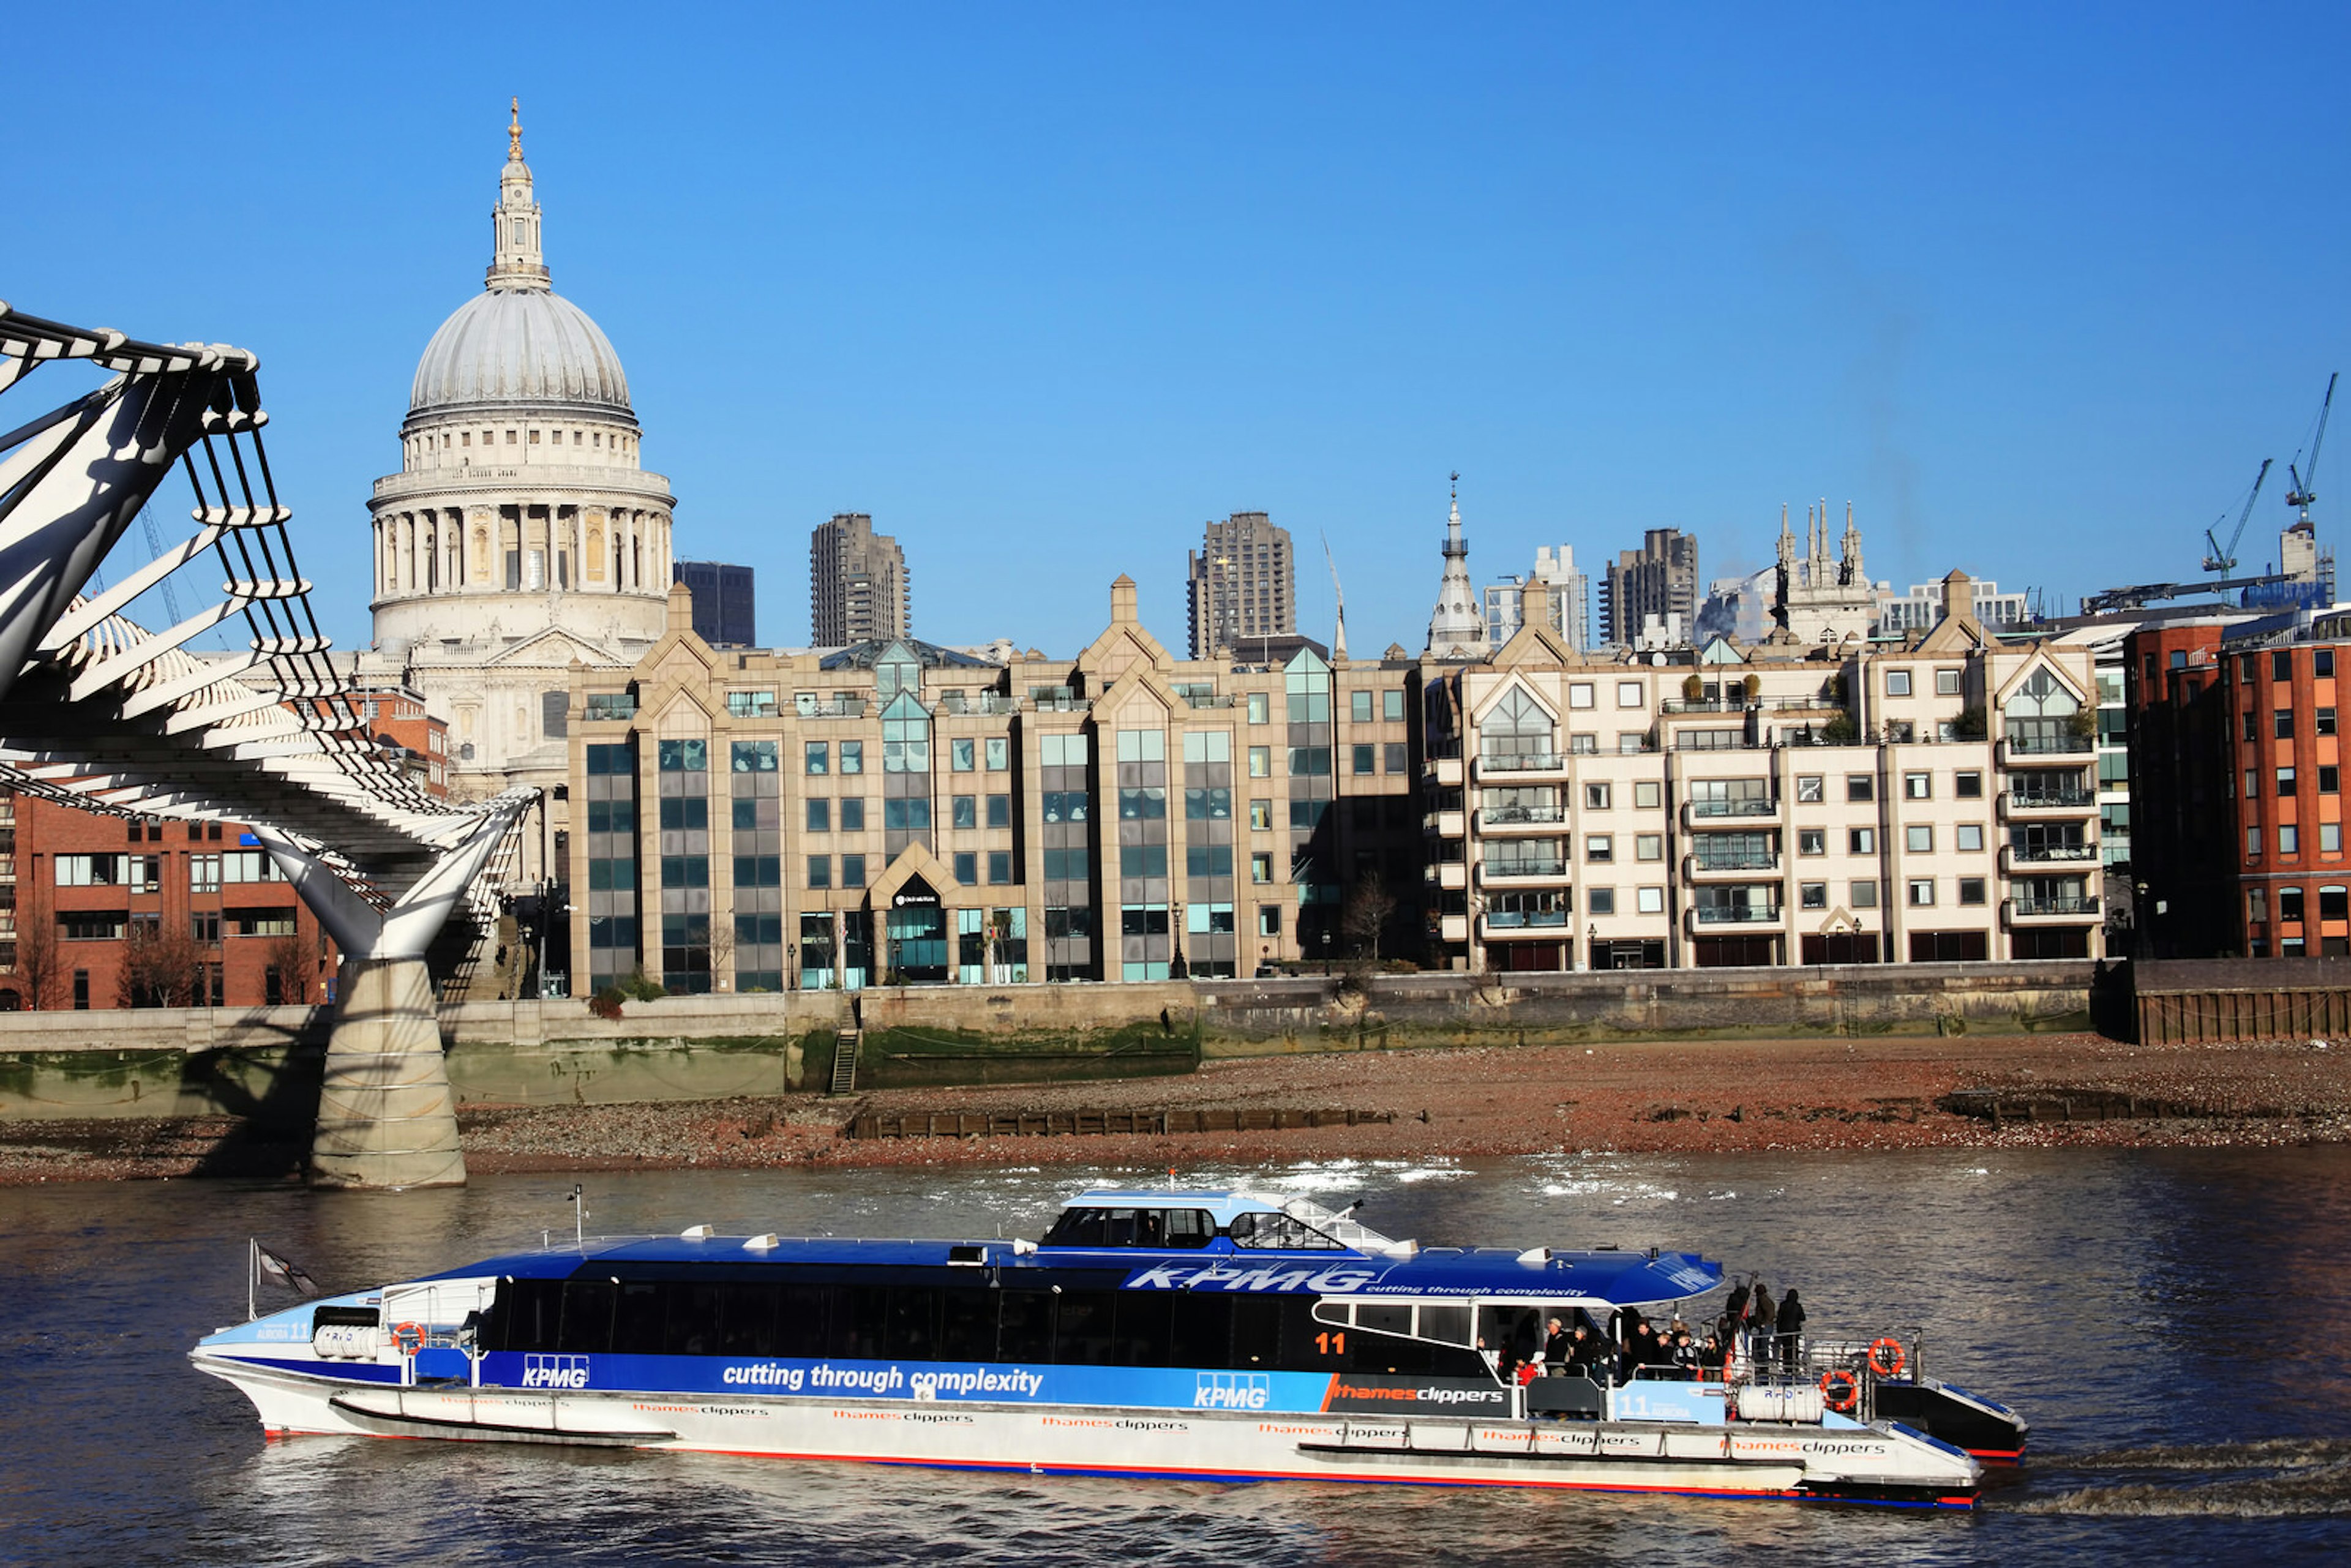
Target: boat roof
{"x":1363,"y":1264}
{"x":1616,"y":1278}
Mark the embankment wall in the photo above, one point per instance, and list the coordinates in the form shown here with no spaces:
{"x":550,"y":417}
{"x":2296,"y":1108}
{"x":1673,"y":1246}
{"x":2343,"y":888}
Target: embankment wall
{"x":262,"y":1064}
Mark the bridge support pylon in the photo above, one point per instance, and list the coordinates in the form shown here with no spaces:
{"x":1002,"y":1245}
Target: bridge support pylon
{"x":387,"y":1116}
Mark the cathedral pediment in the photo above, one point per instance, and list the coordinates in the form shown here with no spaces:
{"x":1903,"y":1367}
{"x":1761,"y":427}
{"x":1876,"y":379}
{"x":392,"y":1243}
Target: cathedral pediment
{"x":558,"y":648}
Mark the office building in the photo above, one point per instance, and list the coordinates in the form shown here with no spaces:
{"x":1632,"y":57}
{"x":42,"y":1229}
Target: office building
{"x":1242,"y":586}
{"x":859,"y":589}
{"x":2236,"y":786}
{"x":1658,"y":579}
{"x":1921,"y":606}
{"x":725,"y":614}
{"x":1569,"y":595}
{"x":894,"y":809}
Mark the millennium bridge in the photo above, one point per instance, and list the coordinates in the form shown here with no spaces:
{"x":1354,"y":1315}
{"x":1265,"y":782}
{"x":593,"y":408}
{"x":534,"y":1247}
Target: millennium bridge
{"x":112,"y":714}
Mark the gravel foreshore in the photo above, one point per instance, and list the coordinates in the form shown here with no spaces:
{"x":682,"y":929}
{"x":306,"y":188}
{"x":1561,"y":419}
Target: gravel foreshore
{"x":1640,"y":1097}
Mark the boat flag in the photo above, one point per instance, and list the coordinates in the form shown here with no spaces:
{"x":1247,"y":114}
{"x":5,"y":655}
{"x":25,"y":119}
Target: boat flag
{"x":291,"y":1275}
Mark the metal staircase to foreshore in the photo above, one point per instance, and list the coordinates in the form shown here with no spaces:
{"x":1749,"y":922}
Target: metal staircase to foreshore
{"x":845,"y":1043}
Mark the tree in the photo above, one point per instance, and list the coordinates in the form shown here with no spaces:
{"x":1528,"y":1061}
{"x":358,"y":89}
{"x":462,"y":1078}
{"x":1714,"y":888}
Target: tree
{"x":1753,"y":686}
{"x":722,"y":952}
{"x":288,"y":956}
{"x":160,"y":968}
{"x":1365,"y":921}
{"x":39,"y":962}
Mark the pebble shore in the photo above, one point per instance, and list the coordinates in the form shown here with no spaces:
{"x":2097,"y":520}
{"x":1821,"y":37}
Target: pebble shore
{"x":1632,"y":1098}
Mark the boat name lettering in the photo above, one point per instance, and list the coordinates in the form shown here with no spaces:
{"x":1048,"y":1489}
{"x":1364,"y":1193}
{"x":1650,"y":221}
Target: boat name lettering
{"x":1223,"y":1277}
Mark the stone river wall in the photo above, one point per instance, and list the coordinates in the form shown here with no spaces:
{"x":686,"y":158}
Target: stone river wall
{"x":262,"y":1064}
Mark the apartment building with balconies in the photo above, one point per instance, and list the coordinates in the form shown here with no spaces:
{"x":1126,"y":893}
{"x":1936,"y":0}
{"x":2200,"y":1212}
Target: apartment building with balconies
{"x":1925,"y":800}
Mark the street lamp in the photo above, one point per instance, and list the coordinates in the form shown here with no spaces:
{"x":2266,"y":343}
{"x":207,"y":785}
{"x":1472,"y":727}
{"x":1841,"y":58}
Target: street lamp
{"x":791,"y":966}
{"x":1175,"y":965}
{"x":1326,"y":951}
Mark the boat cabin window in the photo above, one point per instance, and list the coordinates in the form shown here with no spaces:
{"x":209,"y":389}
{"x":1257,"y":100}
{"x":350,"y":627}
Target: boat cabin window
{"x":963,"y":1319}
{"x":1444,"y":1322}
{"x":1278,"y":1232}
{"x":1177,"y":1228}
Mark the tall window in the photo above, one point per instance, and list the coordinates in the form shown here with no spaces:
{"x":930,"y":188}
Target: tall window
{"x":758,"y":935}
{"x":1515,"y":729}
{"x":684,"y":767}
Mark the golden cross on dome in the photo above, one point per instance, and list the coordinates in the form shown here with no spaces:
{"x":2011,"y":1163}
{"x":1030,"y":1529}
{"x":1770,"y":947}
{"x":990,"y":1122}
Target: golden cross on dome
{"x":514,"y":134}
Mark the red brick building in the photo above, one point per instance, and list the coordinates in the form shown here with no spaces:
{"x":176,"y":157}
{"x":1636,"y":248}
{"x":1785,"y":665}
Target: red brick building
{"x":110,"y":912}
{"x":101,"y":911}
{"x":2236,"y":784}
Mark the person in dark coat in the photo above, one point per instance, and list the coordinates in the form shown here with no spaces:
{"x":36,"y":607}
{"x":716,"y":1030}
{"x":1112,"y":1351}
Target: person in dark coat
{"x":1761,"y":1310}
{"x":1790,"y":1326}
{"x":1558,"y":1345}
{"x":1734,"y":1309}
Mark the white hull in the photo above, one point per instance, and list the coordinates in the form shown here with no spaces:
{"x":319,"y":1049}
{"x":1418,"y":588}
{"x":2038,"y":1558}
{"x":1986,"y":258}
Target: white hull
{"x":1743,"y":1459}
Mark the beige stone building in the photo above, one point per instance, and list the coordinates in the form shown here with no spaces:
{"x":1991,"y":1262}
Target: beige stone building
{"x":758,"y":821}
{"x":1923,"y":800}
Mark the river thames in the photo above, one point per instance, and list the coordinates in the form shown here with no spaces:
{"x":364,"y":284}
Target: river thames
{"x":2173,"y":1322}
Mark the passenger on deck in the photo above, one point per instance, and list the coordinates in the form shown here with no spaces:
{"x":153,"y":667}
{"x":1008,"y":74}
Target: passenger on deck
{"x":1633,"y":1346}
{"x":1711,"y":1360}
{"x":1685,"y":1355}
{"x":1558,"y":1345}
{"x":1790,"y":1328}
{"x":1584,"y":1351}
{"x":1760,"y":1312}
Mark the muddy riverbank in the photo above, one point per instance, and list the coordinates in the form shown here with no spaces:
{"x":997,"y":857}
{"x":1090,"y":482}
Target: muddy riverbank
{"x":1680,"y":1096}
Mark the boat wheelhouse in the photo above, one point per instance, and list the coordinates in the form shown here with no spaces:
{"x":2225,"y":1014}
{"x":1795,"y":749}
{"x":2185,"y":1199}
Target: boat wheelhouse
{"x":1206,"y":1335}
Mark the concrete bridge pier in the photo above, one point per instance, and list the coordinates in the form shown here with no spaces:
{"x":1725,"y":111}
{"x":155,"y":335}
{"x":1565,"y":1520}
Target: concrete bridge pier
{"x":387,"y":1118}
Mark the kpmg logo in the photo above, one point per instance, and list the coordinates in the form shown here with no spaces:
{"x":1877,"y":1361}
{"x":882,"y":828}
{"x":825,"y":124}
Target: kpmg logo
{"x":1232,"y":1391}
{"x":555,"y":1372}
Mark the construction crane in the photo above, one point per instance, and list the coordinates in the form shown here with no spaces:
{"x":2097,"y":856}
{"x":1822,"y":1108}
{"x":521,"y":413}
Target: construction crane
{"x":2224,"y":561}
{"x":2302,"y":495}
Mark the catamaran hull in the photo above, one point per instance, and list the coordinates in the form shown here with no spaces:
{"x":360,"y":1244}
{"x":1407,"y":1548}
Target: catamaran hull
{"x":1872,"y":1464}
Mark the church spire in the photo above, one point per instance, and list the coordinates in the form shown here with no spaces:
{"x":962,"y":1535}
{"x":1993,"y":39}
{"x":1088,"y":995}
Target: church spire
{"x":1456,"y":629}
{"x":516,"y":259}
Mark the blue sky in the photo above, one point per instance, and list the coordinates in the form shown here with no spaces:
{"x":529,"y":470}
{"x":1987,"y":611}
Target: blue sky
{"x":1045,"y":288}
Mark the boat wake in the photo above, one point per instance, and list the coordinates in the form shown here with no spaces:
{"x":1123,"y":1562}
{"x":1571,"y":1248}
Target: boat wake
{"x":2282,"y":1478}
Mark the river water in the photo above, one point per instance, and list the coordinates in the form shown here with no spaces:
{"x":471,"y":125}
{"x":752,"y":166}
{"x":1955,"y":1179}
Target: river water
{"x":2175,"y":1324}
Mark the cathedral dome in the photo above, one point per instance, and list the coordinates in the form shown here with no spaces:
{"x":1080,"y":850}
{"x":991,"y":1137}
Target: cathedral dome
{"x":520,"y":345}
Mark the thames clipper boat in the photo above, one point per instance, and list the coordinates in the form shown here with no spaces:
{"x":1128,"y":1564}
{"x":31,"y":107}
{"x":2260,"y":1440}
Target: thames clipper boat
{"x":1208,"y":1335}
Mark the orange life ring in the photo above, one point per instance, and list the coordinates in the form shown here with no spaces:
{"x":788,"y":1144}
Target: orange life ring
{"x":1847,"y":1395}
{"x":408,"y":1338}
{"x":1885,"y":1357}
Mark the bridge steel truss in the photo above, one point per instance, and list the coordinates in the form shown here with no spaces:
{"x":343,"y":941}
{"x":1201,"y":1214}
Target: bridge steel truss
{"x":99,"y":711}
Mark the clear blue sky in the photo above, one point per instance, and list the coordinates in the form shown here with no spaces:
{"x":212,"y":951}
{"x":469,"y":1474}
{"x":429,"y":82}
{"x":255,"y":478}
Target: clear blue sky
{"x":1045,"y":289}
